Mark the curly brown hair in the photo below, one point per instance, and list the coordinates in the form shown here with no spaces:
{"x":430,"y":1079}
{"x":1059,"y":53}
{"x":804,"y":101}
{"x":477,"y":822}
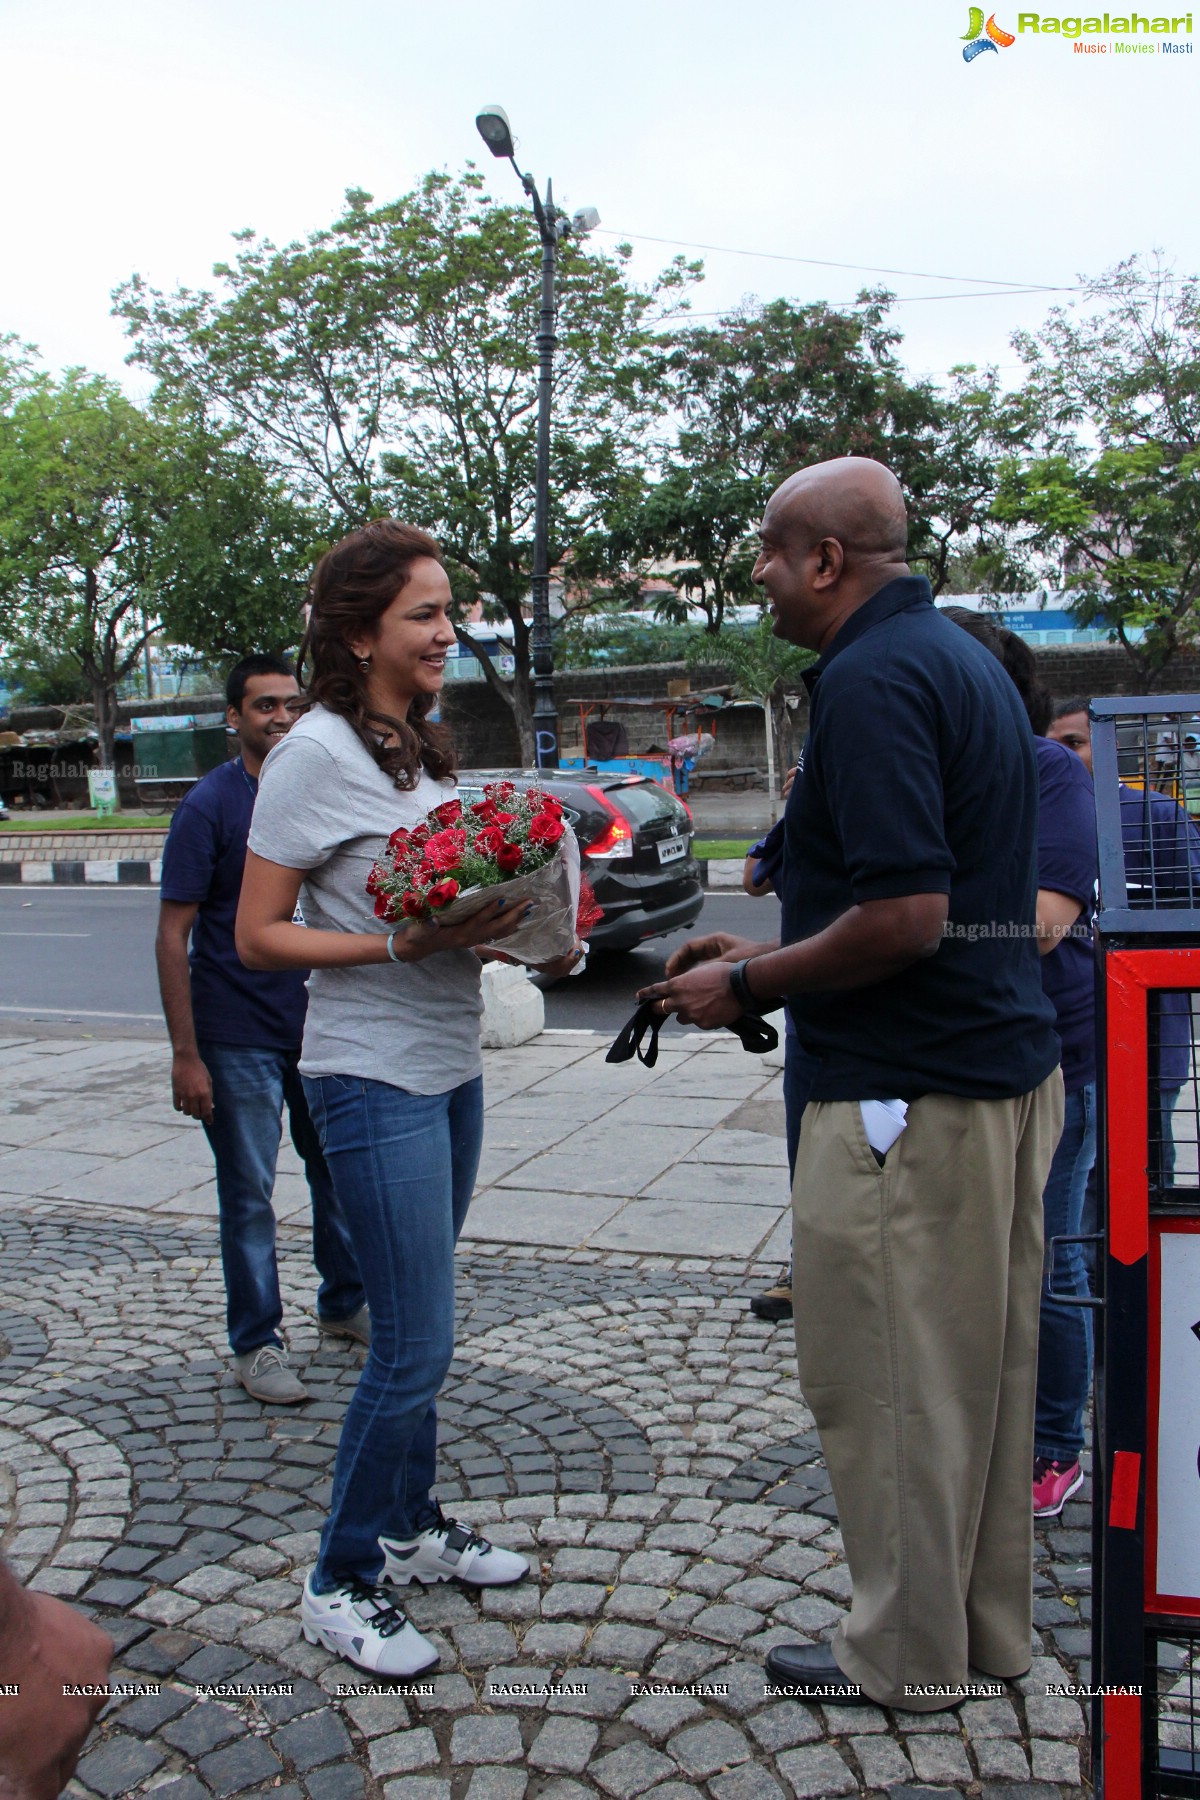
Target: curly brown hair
{"x":352,"y":587}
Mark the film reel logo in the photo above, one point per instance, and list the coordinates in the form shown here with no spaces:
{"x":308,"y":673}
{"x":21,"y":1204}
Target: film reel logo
{"x":979,"y":36}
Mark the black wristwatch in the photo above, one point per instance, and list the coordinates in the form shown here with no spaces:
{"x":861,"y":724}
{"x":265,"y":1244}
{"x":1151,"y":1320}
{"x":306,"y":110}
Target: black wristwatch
{"x":740,"y":989}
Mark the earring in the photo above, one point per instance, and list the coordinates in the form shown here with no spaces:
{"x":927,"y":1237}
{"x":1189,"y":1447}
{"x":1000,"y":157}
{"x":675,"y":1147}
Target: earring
{"x":364,"y":663}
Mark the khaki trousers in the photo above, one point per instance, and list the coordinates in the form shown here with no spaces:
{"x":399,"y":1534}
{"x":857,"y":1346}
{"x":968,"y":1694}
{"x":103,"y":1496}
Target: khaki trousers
{"x":916,"y":1291}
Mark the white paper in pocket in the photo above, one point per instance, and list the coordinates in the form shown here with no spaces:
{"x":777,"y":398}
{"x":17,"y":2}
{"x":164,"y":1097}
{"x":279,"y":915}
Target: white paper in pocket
{"x":883,"y":1121}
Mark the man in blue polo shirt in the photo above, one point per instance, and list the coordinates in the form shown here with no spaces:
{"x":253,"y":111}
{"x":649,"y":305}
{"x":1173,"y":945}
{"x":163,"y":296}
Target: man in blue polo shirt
{"x":235,"y":1034}
{"x":909,"y":961}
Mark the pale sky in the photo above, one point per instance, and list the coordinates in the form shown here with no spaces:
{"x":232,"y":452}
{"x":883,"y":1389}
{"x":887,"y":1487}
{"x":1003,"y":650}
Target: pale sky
{"x":138,"y":134}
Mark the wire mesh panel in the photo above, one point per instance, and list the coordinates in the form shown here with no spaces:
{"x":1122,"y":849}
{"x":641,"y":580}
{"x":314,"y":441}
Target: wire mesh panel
{"x":1147,"y":766}
{"x":1172,"y":1715}
{"x":1146,"y":756}
{"x":1173,"y":1068}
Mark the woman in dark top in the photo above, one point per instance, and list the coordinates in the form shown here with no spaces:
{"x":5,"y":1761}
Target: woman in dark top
{"x":1067,"y":871}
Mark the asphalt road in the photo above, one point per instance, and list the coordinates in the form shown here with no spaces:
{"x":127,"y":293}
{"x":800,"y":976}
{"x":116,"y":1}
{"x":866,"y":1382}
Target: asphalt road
{"x":74,"y":958}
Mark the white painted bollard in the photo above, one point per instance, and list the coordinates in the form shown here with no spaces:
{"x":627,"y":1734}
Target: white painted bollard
{"x":513,"y":1009}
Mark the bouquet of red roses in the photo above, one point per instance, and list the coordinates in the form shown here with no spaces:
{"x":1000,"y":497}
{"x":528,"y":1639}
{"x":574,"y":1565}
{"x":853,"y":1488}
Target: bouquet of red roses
{"x":450,"y":865}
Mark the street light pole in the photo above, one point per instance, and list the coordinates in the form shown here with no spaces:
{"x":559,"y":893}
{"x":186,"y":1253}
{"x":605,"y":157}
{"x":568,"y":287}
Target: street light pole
{"x":553,"y":225}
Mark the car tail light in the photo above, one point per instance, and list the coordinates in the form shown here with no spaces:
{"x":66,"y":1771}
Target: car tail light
{"x":616,"y":837}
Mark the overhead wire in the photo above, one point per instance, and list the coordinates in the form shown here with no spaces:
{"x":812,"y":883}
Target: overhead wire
{"x":815,"y":262}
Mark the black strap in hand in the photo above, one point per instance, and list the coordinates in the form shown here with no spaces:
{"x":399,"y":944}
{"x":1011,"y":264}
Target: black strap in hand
{"x":756,"y":1035}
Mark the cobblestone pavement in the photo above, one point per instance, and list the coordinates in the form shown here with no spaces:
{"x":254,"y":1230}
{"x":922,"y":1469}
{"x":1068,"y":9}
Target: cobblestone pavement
{"x":618,"y":1416}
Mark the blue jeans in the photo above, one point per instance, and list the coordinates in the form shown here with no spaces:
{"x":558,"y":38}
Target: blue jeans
{"x":251,"y":1087}
{"x":1065,"y":1332}
{"x":404,"y":1168}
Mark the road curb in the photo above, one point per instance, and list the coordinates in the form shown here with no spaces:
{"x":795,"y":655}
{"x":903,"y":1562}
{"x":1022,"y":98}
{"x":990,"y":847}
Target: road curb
{"x":79,"y":872}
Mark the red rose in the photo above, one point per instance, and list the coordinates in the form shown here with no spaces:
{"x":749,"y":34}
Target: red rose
{"x":489,"y":840}
{"x":419,"y":835}
{"x":412,"y":906}
{"x":502,"y":818}
{"x":383,"y":906}
{"x":546,"y":830}
{"x":398,"y":840}
{"x":485,"y":810}
{"x":508,"y":857}
{"x":444,"y":849}
{"x":373,"y":880}
{"x":442,"y":893}
{"x":548,"y":804}
{"x":503,"y":790}
{"x":448,"y":813}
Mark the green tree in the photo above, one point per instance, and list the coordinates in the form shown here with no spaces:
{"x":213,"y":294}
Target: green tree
{"x":388,"y":363}
{"x":763,"y":668}
{"x":83,"y":479}
{"x":1100,"y":486}
{"x":773,"y":388}
{"x":117,"y":524}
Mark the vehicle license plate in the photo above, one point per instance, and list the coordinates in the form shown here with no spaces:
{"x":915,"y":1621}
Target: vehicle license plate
{"x":670,"y":849}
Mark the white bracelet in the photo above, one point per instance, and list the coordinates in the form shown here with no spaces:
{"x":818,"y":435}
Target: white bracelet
{"x":390,"y":946}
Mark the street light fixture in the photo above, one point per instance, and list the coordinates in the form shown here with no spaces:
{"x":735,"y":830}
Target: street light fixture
{"x":553,"y":225}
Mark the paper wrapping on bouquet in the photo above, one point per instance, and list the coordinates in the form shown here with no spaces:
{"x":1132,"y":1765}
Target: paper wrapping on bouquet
{"x":549,"y":932}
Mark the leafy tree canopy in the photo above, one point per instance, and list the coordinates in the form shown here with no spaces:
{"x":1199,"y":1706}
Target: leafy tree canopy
{"x":772,"y":388}
{"x":1101,"y":480}
{"x":388,"y":363}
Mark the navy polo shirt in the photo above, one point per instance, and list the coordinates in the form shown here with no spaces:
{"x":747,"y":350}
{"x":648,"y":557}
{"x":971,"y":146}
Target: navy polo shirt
{"x":918,"y":776}
{"x":203,"y":860}
{"x":1067,"y":864}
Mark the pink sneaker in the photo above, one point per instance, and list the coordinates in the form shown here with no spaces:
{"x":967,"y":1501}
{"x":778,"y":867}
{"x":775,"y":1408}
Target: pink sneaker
{"x":1053,"y":1485}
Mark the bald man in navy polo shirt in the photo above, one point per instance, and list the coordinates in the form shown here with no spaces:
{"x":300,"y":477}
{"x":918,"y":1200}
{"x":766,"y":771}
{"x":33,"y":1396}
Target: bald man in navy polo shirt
{"x":908,"y":960}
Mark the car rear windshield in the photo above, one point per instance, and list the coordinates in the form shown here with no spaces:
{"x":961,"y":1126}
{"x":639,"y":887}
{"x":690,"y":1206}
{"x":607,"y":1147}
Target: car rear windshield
{"x":645,"y":801}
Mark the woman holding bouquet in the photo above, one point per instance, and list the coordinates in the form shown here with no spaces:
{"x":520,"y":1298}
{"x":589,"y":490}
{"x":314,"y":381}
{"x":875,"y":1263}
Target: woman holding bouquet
{"x":391,"y":1063}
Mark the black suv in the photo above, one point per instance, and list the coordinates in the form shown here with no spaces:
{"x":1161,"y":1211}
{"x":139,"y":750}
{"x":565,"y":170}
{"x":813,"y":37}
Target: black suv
{"x":635,"y":844}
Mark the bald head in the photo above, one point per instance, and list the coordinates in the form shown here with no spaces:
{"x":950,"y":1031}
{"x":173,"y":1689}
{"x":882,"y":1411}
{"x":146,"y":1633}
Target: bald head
{"x":852,"y":499}
{"x":832,"y":536}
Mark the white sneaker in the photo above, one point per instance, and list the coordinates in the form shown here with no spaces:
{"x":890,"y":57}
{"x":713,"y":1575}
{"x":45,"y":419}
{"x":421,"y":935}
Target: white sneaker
{"x":363,"y":1623}
{"x":449,"y":1551}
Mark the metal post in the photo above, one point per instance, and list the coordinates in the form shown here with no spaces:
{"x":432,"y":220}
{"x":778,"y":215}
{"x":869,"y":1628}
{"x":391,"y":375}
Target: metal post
{"x":545,"y":713}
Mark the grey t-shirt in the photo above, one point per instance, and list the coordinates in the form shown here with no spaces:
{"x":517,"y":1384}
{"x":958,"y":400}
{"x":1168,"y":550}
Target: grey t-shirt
{"x":324,"y":805}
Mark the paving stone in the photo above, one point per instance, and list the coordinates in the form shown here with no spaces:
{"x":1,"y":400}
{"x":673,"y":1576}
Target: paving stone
{"x":989,"y":1718}
{"x":480,"y":1739}
{"x":307,"y":1743}
{"x":572,"y":1600}
{"x":374,"y":1715}
{"x":727,"y":1624}
{"x":246,"y":1764}
{"x":700,"y":1750}
{"x":630,"y":1770}
{"x":202,"y":1729}
{"x":417,"y":1787}
{"x":1054,"y":1716}
{"x":404,"y":1750}
{"x":503,"y":1686}
{"x":633,"y":1601}
{"x":658,"y":1715}
{"x":606,"y":1694}
{"x":484,"y":1641}
{"x":882,"y":1761}
{"x":1055,"y":1762}
{"x":1001,"y":1759}
{"x":939,"y":1758}
{"x":497,"y":1784}
{"x":342,"y":1781}
{"x":1024,"y":1790}
{"x":750,"y":1782}
{"x":118,"y":1766}
{"x":815,"y":1772}
{"x":784,"y":1725}
{"x":564,"y":1745}
{"x":186,"y":1787}
{"x":559,"y":1641}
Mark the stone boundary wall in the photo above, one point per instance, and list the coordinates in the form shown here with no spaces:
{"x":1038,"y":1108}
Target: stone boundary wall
{"x":486,"y":737}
